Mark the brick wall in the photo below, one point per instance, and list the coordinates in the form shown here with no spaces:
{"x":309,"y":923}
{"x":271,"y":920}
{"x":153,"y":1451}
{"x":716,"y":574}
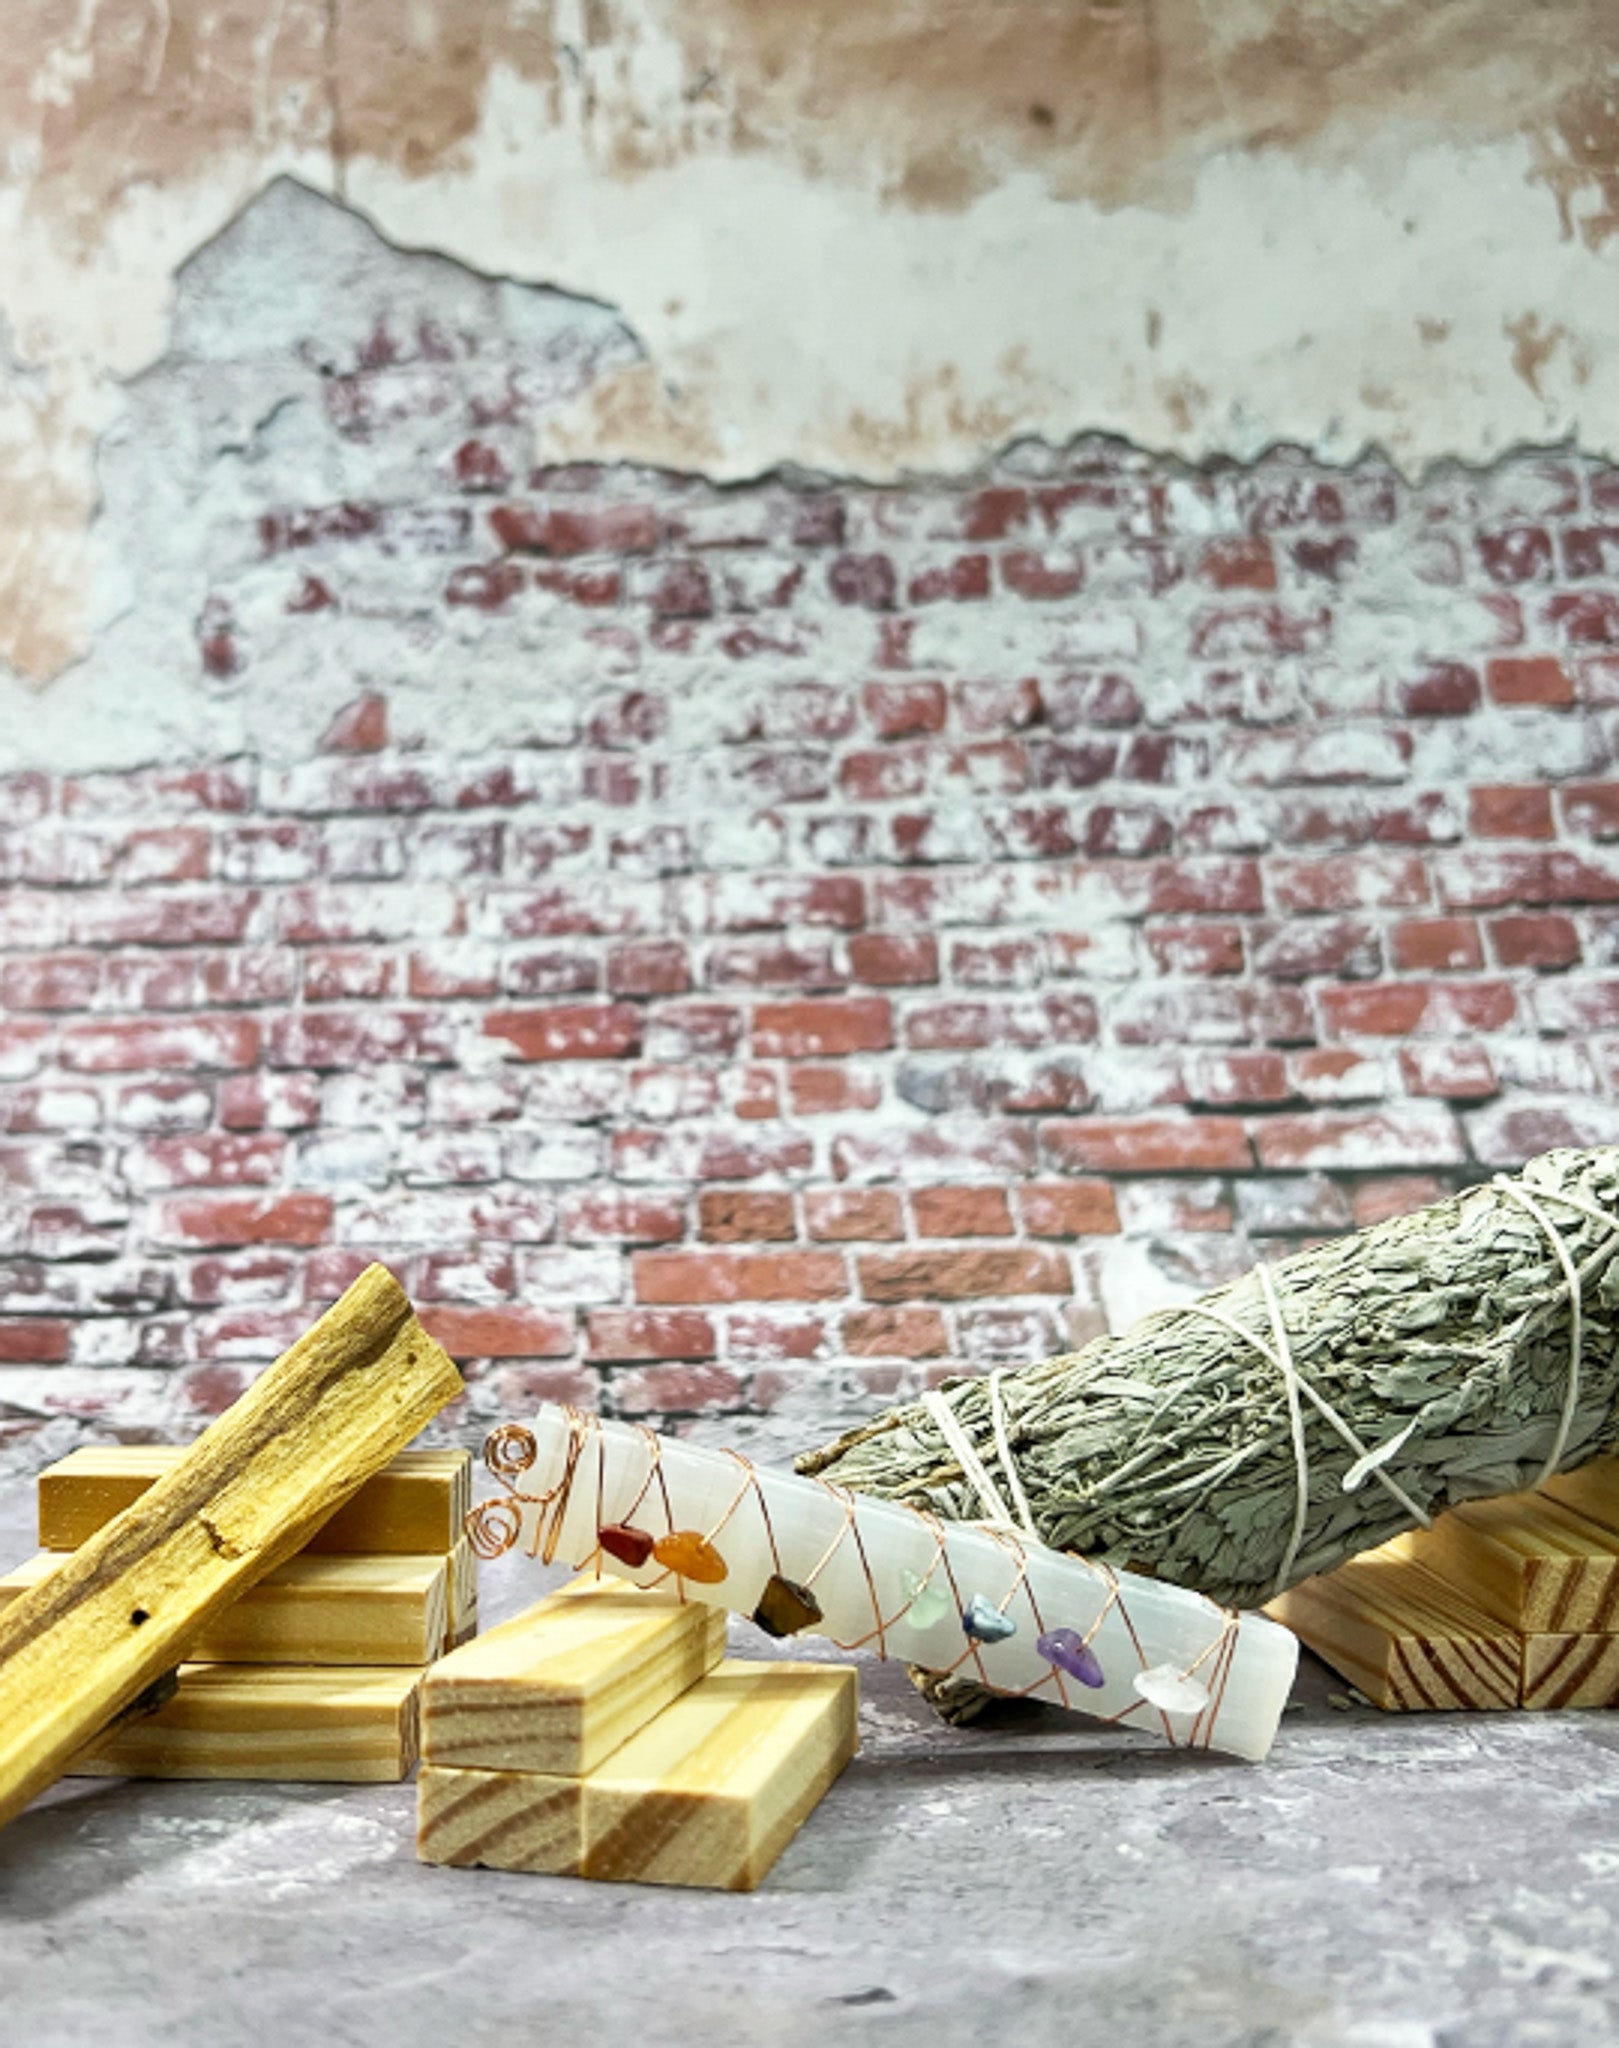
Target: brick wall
{"x":885,"y":930}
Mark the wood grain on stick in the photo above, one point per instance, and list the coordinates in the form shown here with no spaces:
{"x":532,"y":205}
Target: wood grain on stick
{"x":415,"y":1505}
{"x":127,"y":1605}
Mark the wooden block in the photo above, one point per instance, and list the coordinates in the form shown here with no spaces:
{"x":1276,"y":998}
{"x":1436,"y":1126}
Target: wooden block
{"x":463,"y":1595}
{"x":708,"y":1793}
{"x":560,"y":1688}
{"x":1591,"y":1489}
{"x":1531,"y":1563}
{"x":127,"y":1605}
{"x":314,"y":1610}
{"x":1403,"y":1636}
{"x":1570,"y":1671}
{"x":291,"y":1724}
{"x":414,"y":1506}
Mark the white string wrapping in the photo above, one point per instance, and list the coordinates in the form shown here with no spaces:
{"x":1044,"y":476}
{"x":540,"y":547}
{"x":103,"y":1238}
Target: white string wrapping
{"x":1369,"y":1462}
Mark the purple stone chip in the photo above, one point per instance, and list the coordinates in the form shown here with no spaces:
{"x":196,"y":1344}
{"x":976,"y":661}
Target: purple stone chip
{"x":1068,"y":1650}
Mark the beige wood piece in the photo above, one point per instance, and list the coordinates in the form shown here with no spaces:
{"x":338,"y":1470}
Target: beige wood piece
{"x":560,"y":1687}
{"x":313,"y":1610}
{"x":1592,"y":1490}
{"x":414,"y":1506}
{"x":1570,"y":1671}
{"x":463,"y":1595}
{"x":1532,"y":1563}
{"x":1403,"y":1636}
{"x":127,"y":1605}
{"x":291,"y":1724}
{"x":708,"y":1793}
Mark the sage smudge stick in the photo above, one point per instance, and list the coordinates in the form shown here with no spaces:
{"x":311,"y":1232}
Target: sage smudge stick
{"x":1435,"y":1358}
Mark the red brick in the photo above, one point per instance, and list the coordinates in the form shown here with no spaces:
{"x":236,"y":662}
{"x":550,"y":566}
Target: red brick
{"x":827,"y":1091}
{"x":484,"y":586}
{"x":854,"y":1213}
{"x":344,"y":974}
{"x":702,"y":1276}
{"x":865,"y":580}
{"x":1375,"y":1201}
{"x":1305,"y":947}
{"x":1350,"y":881}
{"x":223,"y":1159}
{"x":1517,"y":554}
{"x":1414,"y":1134}
{"x":243,"y":1219}
{"x":1529,"y":679}
{"x":173,"y":853}
{"x":1220,"y":1079}
{"x":1240,"y":563}
{"x":822,"y":1027}
{"x":1591,"y":809}
{"x":560,"y":530}
{"x":607,"y":1215}
{"x":744,"y":1216}
{"x":1153,"y":1144}
{"x":1196,"y":948}
{"x":32,"y":1340}
{"x":1437,"y":945}
{"x":962,"y":1275}
{"x":1585,"y":618}
{"x":50,"y":981}
{"x":659,"y":1390}
{"x":895,"y":1333}
{"x":1445,"y":689}
{"x":961,"y":1212}
{"x":1398,"y":1008}
{"x":1507,"y":811}
{"x":652,"y":968}
{"x":638,"y":1333}
{"x":576,"y":1031}
{"x":1460,"y":1072}
{"x":963,"y":578}
{"x":1076,"y":1208}
{"x":1547,"y":940}
{"x":1029,"y":572}
{"x":507,"y":1332}
{"x":898,"y":711}
{"x":135,"y":1044}
{"x":888,"y":960}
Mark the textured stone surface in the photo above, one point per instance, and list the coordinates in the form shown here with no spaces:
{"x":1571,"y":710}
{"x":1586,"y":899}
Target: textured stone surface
{"x":1437,"y":1882}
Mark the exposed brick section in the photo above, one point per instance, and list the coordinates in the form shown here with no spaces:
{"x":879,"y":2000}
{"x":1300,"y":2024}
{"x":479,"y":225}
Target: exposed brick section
{"x":874,"y":906}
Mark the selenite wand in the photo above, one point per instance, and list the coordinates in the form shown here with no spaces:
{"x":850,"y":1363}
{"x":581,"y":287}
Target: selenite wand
{"x":800,"y":1556}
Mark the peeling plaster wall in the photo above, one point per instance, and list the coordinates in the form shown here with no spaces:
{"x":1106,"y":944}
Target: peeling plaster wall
{"x":864,"y":241}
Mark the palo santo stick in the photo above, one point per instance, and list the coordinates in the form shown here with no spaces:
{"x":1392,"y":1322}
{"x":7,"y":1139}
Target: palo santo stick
{"x":708,"y":1793}
{"x":1532,"y":1563}
{"x":314,"y":1610}
{"x":294,"y":1724}
{"x":1570,"y":1671}
{"x":415,"y":1505}
{"x":1404,"y":1637}
{"x":127,"y":1605}
{"x":559,"y":1688}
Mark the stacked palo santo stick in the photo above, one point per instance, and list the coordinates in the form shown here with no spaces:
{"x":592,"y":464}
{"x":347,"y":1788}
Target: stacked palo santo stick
{"x":1503,"y":1603}
{"x":314,"y":1674}
{"x":605,"y":1734}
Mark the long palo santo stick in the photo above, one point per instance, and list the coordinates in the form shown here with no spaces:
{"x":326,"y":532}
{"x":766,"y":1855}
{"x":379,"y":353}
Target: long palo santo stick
{"x":124,"y":1609}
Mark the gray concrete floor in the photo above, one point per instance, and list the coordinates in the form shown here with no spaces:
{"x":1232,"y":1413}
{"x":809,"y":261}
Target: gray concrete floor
{"x":1433,"y":1882}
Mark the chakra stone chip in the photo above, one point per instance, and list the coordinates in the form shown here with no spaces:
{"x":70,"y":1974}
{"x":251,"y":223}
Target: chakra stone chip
{"x":690,"y":1556}
{"x":785,"y":1607}
{"x":1072,"y":1655}
{"x":984,"y":1621}
{"x":630,"y":1546}
{"x":1171,"y":1691}
{"x":926,"y":1600}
